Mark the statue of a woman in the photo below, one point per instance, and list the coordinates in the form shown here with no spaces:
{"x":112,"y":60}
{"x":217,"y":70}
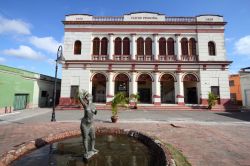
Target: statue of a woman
{"x":87,"y":127}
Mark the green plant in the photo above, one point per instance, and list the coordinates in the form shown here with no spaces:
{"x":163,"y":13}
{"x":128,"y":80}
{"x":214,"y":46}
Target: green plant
{"x":119,"y":100}
{"x":134,"y":98}
{"x":212,"y":98}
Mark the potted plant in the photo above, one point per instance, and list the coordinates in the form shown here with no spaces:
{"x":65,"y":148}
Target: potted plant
{"x":119,"y":100}
{"x":212,"y":98}
{"x":134,"y":98}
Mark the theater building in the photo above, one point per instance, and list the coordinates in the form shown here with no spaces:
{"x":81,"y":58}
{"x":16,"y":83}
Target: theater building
{"x":166,"y":60}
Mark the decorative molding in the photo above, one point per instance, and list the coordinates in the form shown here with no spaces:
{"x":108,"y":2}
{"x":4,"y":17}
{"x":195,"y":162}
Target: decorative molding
{"x":190,"y":77}
{"x":179,"y":96}
{"x":121,"y":76}
{"x":144,"y":76}
{"x":144,"y":30}
{"x":166,"y":77}
{"x":98,"y":76}
{"x":142,"y":23}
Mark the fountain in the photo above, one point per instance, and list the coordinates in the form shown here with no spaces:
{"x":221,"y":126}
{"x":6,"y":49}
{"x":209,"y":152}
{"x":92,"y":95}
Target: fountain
{"x":117,"y":147}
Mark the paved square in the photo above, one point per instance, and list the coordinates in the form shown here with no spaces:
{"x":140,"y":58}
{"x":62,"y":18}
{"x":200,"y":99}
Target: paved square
{"x":205,"y":138}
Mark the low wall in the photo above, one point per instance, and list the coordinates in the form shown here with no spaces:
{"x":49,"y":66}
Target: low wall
{"x":156,"y":148}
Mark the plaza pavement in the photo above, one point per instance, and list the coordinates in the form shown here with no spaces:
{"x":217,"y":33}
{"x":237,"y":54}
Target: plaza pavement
{"x":205,"y":138}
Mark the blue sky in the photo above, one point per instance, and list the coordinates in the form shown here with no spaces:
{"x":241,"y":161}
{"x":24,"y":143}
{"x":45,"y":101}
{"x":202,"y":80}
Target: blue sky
{"x":30,"y":31}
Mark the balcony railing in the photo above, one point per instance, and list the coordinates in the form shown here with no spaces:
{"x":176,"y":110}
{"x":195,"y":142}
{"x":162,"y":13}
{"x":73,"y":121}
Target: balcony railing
{"x":121,"y":57}
{"x":167,"y":57}
{"x":189,"y":58}
{"x":106,"y":18}
{"x":180,"y":19}
{"x":100,"y":57}
{"x":144,"y":57}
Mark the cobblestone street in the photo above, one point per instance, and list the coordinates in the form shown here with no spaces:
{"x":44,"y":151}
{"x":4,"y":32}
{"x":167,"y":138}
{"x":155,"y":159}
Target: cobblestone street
{"x":203,"y":143}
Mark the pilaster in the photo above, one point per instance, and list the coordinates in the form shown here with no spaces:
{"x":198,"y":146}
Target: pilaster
{"x":133,"y":47}
{"x":156,"y":47}
{"x":156,"y":91}
{"x":179,"y":89}
{"x":110,"y":88}
{"x":111,"y":46}
{"x":178,"y":46}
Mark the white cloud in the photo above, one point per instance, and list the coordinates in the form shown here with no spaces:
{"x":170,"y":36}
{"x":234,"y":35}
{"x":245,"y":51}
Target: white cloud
{"x":230,"y":39}
{"x":48,"y":44}
{"x":24,"y":52}
{"x":51,"y":61}
{"x":2,"y":60}
{"x":242,"y":46}
{"x":14,"y":26}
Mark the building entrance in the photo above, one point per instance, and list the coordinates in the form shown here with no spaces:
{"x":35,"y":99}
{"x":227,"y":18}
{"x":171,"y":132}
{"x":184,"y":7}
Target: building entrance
{"x":99,"y":88}
{"x":167,"y":89}
{"x":192,"y":95}
{"x":122,"y":84}
{"x":145,"y":88}
{"x":190,"y":89}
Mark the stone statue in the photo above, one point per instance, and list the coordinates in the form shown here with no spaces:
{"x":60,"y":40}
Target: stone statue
{"x":87,"y":127}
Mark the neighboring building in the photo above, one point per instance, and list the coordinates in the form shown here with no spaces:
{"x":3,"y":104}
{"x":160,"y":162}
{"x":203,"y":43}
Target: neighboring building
{"x":235,"y":89}
{"x":167,"y":60}
{"x":245,"y":86}
{"x":20,"y":89}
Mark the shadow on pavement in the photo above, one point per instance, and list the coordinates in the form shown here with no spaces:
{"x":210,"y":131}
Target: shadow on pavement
{"x":244,"y":116}
{"x":1,"y":120}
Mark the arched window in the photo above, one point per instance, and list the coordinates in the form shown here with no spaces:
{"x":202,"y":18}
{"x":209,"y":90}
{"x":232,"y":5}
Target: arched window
{"x":126,"y":46}
{"x":170,"y":44}
{"x":184,"y":46}
{"x":96,"y":46}
{"x":140,"y":46}
{"x":192,"y":46}
{"x":148,"y":46}
{"x":162,"y":46}
{"x":104,"y":46}
{"x":211,"y":48}
{"x":77,"y":47}
{"x":118,"y":46}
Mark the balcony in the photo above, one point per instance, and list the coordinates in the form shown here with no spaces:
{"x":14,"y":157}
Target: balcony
{"x":121,"y":57}
{"x":144,"y":57}
{"x":189,"y":57}
{"x":167,"y":57}
{"x":99,"y":57}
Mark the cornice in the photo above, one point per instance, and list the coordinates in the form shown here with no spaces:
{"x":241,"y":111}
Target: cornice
{"x":142,"y":23}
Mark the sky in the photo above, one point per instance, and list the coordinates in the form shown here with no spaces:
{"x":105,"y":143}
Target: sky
{"x":31,"y":31}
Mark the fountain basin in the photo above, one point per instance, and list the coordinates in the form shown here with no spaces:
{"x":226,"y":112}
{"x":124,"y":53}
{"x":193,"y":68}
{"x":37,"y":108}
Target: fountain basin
{"x":116,"y":146}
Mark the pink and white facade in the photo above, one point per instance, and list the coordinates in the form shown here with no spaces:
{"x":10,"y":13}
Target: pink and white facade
{"x":167,"y":60}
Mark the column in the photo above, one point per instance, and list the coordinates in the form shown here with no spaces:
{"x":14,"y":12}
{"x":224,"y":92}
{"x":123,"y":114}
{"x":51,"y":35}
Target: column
{"x":111,"y":46}
{"x":110,"y":88}
{"x":133,"y":47}
{"x":156,"y":89}
{"x":178,"y":46}
{"x":198,"y":86}
{"x":90,"y":87}
{"x":179,"y":89}
{"x":156,"y":47}
{"x":133,"y":85}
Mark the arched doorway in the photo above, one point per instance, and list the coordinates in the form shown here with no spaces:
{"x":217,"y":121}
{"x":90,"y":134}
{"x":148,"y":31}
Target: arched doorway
{"x":122,"y":84}
{"x":190,"y":89}
{"x":145,"y":88}
{"x":99,"y":88}
{"x":167,"y":89}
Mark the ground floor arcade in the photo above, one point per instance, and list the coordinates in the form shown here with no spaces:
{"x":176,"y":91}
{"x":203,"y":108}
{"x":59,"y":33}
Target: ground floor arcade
{"x":153,"y":87}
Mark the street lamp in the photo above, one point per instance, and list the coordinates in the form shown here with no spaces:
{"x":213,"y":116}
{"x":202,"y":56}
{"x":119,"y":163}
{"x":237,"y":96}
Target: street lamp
{"x":59,"y":59}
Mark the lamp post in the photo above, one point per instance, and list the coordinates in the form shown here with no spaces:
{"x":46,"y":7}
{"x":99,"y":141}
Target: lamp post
{"x":59,"y":59}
